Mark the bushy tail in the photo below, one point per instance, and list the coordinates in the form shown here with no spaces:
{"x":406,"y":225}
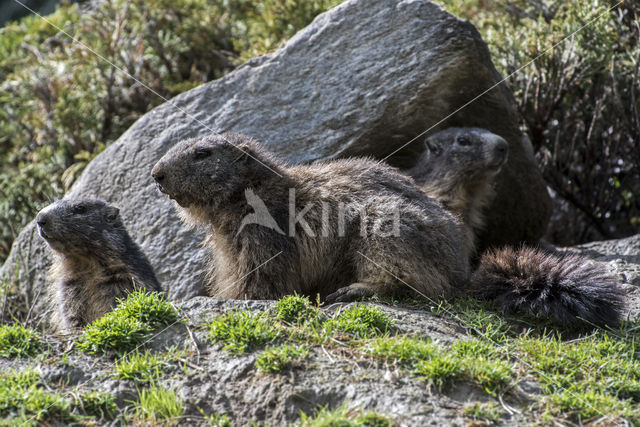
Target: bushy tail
{"x":567,"y":288}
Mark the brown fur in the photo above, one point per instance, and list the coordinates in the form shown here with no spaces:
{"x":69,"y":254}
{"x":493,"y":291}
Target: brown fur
{"x":458,"y":169}
{"x":96,"y":262}
{"x":213,"y":178}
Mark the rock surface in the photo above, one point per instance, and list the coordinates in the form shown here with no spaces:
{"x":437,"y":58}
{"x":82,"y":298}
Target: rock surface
{"x":363,"y":79}
{"x":217,"y":382}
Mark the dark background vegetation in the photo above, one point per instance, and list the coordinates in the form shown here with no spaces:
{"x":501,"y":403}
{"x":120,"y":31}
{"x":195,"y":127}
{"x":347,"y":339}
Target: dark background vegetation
{"x":61,"y":105}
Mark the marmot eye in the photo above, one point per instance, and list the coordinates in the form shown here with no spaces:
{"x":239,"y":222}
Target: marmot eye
{"x":463,"y":140}
{"x":79,"y":209}
{"x":201,"y":153}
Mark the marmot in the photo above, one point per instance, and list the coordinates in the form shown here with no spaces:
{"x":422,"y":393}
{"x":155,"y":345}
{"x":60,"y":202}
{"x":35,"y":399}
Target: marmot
{"x":458,"y":168}
{"x":342,"y":229}
{"x":96,"y":261}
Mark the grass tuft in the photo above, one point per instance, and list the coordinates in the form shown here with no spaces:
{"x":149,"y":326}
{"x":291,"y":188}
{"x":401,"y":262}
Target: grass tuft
{"x":128,"y":325}
{"x":98,"y":405}
{"x":275,"y":359}
{"x":18,"y":341}
{"x":112,"y":333}
{"x":361,"y":321}
{"x":342,"y":416}
{"x":405,"y":350}
{"x":140,"y":367}
{"x":487,"y":412}
{"x":440,"y":370}
{"x":151,"y":308}
{"x":23,"y":401}
{"x":158,"y":404}
{"x":241,"y":332}
{"x":295,"y":309}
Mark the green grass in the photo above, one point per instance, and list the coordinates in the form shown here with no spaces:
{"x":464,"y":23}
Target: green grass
{"x":98,"y":405}
{"x":360,"y":321}
{"x":295,"y":309}
{"x":487,"y":412}
{"x":405,"y":350}
{"x":275,"y":359}
{"x":584,"y":378}
{"x":440,"y":370}
{"x":24,"y":401}
{"x":148,"y":307}
{"x":217,"y":420}
{"x":158,"y":404}
{"x":342,"y":416}
{"x":18,"y":341}
{"x":129,"y":325}
{"x":141,"y":367}
{"x":241,"y":332}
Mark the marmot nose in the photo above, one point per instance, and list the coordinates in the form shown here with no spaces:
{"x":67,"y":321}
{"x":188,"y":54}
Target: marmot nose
{"x":41,"y":221}
{"x":158,"y":176}
{"x":502,"y":147}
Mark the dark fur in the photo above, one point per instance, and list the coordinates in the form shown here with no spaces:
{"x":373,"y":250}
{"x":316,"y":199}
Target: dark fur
{"x":96,"y":261}
{"x":567,"y":288}
{"x":208,"y":177}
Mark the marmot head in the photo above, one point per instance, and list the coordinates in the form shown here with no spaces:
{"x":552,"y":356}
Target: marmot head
{"x":461,"y":154}
{"x":206,"y":172}
{"x":82,"y":226}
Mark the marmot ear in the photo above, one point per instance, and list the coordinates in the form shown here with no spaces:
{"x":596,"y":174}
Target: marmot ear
{"x":245,"y":154}
{"x":112,"y":214}
{"x":431,"y":147}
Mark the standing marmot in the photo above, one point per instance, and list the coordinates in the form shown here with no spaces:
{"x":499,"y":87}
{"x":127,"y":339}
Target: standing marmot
{"x":343,"y":229}
{"x":96,"y":260}
{"x":458,"y":168}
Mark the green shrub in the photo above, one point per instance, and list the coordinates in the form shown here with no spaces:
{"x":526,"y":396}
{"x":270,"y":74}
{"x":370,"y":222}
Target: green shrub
{"x":112,"y":333}
{"x":578,"y":101}
{"x":241,"y":332}
{"x":18,"y":341}
{"x":61,"y":105}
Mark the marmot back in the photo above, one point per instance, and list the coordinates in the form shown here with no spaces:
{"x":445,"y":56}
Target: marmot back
{"x":458,"y":169}
{"x":342,"y":229}
{"x":96,"y":261}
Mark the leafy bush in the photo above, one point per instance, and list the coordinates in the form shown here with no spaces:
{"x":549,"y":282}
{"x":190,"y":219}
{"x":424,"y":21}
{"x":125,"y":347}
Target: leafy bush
{"x":61,"y":104}
{"x":578,"y":100}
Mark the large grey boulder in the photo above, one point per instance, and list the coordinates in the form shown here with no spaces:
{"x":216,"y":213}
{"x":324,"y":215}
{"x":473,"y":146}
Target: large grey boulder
{"x":363,"y":79}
